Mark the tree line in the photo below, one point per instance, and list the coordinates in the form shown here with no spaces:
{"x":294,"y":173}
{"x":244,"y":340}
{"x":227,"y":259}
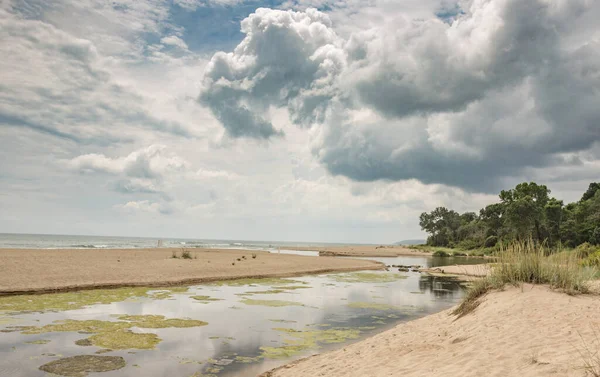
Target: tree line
{"x":525,"y":212}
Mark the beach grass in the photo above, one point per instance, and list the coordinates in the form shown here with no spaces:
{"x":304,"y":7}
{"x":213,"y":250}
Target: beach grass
{"x":530,"y":262}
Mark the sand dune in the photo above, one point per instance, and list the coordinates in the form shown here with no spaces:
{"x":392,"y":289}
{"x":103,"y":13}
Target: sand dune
{"x":48,"y":270}
{"x":529,"y":331}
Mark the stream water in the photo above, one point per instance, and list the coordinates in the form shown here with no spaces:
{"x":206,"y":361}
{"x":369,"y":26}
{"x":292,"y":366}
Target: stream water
{"x":247,"y":327}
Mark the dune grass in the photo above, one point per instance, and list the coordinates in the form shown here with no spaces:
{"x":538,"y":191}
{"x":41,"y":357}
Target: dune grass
{"x":528,"y":262}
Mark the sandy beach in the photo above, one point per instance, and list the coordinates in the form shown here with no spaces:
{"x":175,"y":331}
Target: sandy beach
{"x":365,"y":251}
{"x":529,"y":331}
{"x":38,"y":270}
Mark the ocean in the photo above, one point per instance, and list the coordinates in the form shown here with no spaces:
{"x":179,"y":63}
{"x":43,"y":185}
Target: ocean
{"x":57,"y":241}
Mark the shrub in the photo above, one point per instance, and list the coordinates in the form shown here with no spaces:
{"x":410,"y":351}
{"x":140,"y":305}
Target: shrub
{"x":585,"y":250}
{"x":253,"y":256}
{"x":174,"y":255}
{"x":491,"y":241}
{"x":527,"y":262}
{"x":440,"y":253}
{"x":185,"y":254}
{"x":468,"y":244}
{"x":593,"y":260}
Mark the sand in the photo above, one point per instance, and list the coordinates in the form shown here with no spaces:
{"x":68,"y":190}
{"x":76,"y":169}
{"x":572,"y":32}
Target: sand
{"x":464,"y":272}
{"x":529,"y":331}
{"x":53,"y":270}
{"x":365,"y":251}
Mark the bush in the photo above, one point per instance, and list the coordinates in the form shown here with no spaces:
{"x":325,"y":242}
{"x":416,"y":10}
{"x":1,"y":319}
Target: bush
{"x":527,"y":262}
{"x":491,"y":241}
{"x":469,"y":244}
{"x":186,"y":254}
{"x":585,"y":250}
{"x":440,"y":253}
{"x":595,"y":238}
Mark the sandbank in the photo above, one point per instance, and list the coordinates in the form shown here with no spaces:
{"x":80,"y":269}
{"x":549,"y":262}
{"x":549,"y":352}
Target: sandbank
{"x":36,"y":270}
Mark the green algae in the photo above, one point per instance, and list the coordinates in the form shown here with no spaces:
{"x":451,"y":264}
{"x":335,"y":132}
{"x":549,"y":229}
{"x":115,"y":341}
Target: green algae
{"x":366,"y":277}
{"x":120,"y":340}
{"x":81,"y":365}
{"x":8,"y":320}
{"x":271,"y":303}
{"x":294,"y":287}
{"x":269,"y":292}
{"x":185,"y":360}
{"x":300,"y":341}
{"x":282,"y":352}
{"x":371,"y":305}
{"x":116,"y":334}
{"x":79,"y":299}
{"x":160,"y":322}
{"x":91,"y":326}
{"x":248,"y":359}
{"x":282,"y":321}
{"x":101,"y":351}
{"x":265,"y":281}
{"x":41,"y":341}
{"x":84,"y":342}
{"x":205,"y":299}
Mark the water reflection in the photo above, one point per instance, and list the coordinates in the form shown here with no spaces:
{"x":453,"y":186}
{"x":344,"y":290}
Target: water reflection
{"x":230,"y":345}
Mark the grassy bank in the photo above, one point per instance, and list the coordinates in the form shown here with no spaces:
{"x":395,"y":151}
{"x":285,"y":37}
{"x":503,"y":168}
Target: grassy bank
{"x":527,"y":262}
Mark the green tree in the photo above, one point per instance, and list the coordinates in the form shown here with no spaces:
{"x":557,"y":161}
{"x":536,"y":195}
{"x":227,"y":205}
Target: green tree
{"x":553,"y":215}
{"x":525,"y":209}
{"x":442,"y":224}
{"x":591,"y":191}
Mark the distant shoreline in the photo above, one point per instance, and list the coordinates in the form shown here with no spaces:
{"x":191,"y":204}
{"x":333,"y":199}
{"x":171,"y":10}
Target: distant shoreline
{"x":28,"y":271}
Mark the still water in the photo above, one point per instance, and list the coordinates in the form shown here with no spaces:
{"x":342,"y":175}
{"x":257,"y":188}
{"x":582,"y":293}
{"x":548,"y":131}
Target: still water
{"x":252,"y":326}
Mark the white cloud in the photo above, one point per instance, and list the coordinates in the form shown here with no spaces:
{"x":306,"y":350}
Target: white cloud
{"x":174,"y":40}
{"x":473,"y":103}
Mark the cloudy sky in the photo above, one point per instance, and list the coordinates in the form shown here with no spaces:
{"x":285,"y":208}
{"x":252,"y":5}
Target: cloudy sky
{"x":291,"y":120}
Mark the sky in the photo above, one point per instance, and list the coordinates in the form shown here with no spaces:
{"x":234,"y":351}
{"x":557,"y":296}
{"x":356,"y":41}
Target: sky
{"x":289,"y":120}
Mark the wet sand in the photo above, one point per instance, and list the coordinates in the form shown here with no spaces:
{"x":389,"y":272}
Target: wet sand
{"x":529,"y":331}
{"x":30,"y":271}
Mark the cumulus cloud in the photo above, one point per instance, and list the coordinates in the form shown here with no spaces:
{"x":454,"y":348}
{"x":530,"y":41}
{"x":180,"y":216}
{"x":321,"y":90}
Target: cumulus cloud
{"x":142,"y":171}
{"x":287,"y":59}
{"x":506,"y":87}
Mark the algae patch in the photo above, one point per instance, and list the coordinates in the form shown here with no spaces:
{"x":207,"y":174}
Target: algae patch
{"x":366,"y":277}
{"x":125,"y":340}
{"x":41,"y":341}
{"x":282,"y":321}
{"x":117,"y":334}
{"x":271,"y":303}
{"x":160,"y":322}
{"x":300,"y":341}
{"x":81,"y":365}
{"x":266,"y":281}
{"x":205,"y":299}
{"x":80,"y":299}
